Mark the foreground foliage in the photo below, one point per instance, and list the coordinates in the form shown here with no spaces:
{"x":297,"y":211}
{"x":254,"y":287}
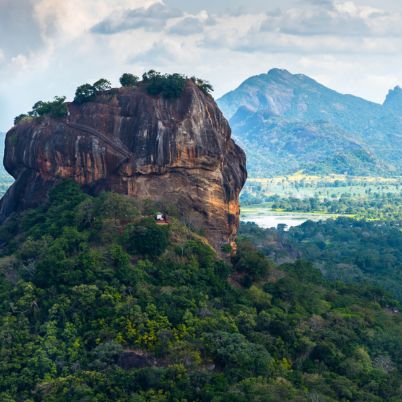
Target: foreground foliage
{"x":90,"y":312}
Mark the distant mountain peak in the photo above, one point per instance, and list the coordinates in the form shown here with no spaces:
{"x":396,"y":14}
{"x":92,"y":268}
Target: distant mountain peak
{"x":397,"y":90}
{"x":289,"y":122}
{"x":279,"y":72}
{"x":393,"y":101}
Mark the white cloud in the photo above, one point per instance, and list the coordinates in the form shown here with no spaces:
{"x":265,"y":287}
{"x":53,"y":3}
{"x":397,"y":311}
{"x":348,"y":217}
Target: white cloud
{"x":50,"y":47}
{"x":187,"y":26}
{"x":152,"y":18}
{"x":158,"y":55}
{"x":74,"y":17}
{"x":338,"y":18}
{"x":20,"y":61}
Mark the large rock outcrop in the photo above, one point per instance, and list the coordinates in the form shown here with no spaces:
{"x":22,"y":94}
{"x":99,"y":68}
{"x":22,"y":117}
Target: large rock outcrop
{"x":177,"y":151}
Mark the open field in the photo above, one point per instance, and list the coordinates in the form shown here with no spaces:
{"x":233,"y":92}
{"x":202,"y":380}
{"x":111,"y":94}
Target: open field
{"x":300,"y":176}
{"x":333,"y":186}
{"x":330,"y":196}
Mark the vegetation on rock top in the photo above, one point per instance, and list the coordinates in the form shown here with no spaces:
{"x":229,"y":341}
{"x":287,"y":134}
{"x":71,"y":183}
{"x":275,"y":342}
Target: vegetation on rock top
{"x":87,"y":92}
{"x":55,"y":108}
{"x":170,"y":86}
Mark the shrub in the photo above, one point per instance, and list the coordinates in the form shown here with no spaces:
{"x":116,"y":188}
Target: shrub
{"x":128,"y":80}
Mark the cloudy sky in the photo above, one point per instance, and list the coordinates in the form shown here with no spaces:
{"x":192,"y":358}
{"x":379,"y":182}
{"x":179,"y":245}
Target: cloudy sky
{"x":49,"y":47}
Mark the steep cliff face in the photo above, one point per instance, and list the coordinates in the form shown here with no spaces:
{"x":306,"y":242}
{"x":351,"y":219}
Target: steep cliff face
{"x":176,"y":151}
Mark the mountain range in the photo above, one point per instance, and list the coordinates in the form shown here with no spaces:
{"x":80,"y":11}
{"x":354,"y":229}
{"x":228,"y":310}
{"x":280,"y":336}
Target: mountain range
{"x":289,"y":122}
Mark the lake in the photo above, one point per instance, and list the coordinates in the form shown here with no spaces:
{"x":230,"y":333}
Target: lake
{"x":266,"y":218}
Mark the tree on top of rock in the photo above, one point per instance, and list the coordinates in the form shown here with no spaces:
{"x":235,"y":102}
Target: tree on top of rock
{"x":55,"y":108}
{"x":87,"y":92}
{"x":170,"y":86}
{"x":102,"y":85}
{"x":128,"y":80}
{"x":205,"y":86}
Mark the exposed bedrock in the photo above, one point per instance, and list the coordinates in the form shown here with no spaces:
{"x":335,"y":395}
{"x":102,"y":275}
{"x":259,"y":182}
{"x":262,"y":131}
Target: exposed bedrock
{"x":177,"y":151}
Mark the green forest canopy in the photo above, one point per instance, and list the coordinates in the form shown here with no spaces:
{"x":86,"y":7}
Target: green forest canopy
{"x":88,"y":314}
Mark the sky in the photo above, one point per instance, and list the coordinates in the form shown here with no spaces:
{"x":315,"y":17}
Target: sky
{"x":49,"y":47}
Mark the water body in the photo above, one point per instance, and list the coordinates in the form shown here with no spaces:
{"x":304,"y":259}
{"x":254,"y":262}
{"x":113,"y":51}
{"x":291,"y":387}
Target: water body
{"x":270,"y":219}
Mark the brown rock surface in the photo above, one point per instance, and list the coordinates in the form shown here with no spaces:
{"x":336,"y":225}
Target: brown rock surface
{"x":176,"y":151}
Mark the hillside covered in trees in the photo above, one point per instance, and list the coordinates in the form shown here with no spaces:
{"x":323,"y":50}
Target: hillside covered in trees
{"x":99,"y":303}
{"x":289,"y":122}
{"x":345,"y":249}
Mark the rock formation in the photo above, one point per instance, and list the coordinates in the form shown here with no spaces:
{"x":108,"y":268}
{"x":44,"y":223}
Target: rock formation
{"x":172,"y":150}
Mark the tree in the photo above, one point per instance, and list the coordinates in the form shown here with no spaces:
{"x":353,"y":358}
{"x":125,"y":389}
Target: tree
{"x":117,"y":207}
{"x":40,"y":108}
{"x":87,"y":92}
{"x":147,"y":238}
{"x":150,"y":75}
{"x":205,"y":86}
{"x":173,"y":85}
{"x":234,"y":351}
{"x":250,"y":261}
{"x":128,"y":80}
{"x":170,"y":86}
{"x":102,"y":85}
{"x":21,"y":118}
{"x":55,"y":108}
{"x":84,"y":93}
